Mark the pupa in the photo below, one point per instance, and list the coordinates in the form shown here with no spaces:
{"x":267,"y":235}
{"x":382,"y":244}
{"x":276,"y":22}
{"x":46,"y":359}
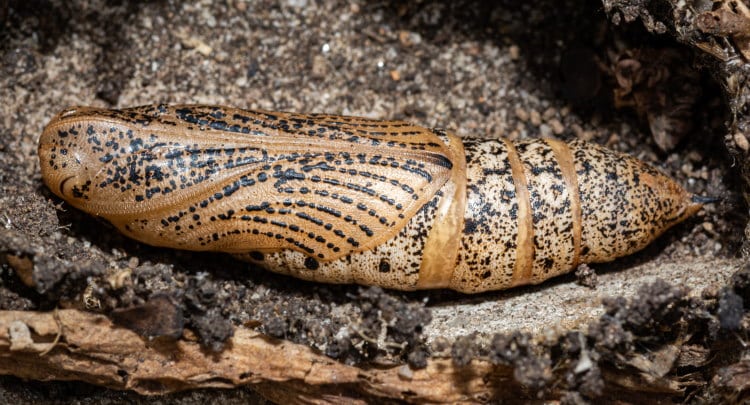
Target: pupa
{"x":342,"y":199}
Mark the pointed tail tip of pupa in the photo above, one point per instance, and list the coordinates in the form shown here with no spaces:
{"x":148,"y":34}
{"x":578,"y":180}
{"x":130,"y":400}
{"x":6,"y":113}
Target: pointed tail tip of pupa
{"x":697,"y":202}
{"x":701,"y":199}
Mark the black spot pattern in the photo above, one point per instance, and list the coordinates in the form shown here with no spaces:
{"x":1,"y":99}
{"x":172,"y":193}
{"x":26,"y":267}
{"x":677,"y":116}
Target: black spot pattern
{"x":625,"y":204}
{"x":550,"y":210}
{"x":490,"y":224}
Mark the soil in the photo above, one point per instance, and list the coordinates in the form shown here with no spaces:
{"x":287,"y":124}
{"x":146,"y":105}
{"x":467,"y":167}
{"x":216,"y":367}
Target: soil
{"x":479,"y":68}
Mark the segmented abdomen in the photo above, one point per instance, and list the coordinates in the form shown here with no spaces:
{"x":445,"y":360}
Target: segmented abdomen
{"x":539,"y":208}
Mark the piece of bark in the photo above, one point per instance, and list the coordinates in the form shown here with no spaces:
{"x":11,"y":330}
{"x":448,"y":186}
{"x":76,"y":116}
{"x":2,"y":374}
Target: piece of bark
{"x":70,"y":344}
{"x":91,"y":348}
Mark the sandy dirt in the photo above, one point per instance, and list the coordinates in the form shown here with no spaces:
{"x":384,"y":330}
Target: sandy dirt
{"x":479,"y":68}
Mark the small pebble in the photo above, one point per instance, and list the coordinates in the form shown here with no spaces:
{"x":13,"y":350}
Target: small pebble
{"x":741,"y":141}
{"x":557,"y":126}
{"x":521,"y":114}
{"x":514,"y":52}
{"x":319,"y":67}
{"x":545,"y":131}
{"x":408,"y":38}
{"x":535,"y":117}
{"x":687,"y":169}
{"x":613,"y":139}
{"x":197,"y":44}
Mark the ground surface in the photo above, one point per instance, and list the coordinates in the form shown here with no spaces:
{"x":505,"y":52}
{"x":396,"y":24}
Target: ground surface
{"x":479,"y":68}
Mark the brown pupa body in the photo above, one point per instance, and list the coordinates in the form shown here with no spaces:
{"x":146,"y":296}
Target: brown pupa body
{"x":352,"y":200}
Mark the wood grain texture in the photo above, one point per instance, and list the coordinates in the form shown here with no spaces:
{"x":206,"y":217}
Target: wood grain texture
{"x":354,"y":200}
{"x":90,"y":348}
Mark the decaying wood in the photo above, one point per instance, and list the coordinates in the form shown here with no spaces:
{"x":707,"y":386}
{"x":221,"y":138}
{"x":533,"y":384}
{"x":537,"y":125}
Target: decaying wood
{"x":76,"y":345}
{"x":91,"y":349}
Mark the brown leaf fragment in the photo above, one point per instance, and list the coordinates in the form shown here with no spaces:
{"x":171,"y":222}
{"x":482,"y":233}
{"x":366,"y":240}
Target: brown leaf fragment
{"x":660,"y":87}
{"x":723,"y":23}
{"x":731,"y":19}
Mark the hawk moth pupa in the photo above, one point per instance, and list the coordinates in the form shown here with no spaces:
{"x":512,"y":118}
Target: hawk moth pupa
{"x":353,"y":200}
